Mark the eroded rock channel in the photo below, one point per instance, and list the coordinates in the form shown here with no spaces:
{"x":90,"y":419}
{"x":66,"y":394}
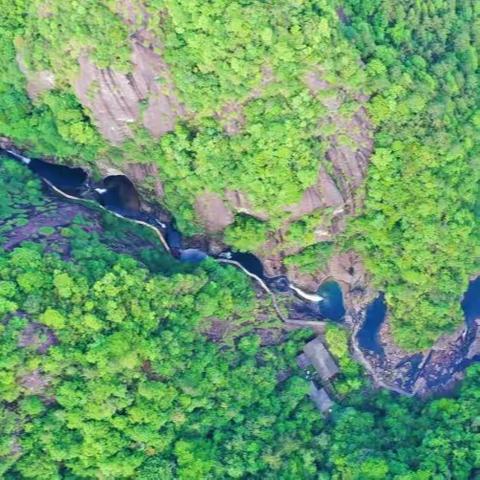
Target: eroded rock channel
{"x":434,"y":370}
{"x":420,"y":373}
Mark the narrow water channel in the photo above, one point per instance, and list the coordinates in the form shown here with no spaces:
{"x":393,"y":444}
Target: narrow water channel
{"x":71,"y":180}
{"x":471,"y":302}
{"x":117,"y":194}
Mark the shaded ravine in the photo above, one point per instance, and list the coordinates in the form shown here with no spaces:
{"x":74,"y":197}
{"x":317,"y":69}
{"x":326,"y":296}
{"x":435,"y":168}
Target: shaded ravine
{"x":433,"y":370}
{"x":471,"y":302}
{"x":117,"y":195}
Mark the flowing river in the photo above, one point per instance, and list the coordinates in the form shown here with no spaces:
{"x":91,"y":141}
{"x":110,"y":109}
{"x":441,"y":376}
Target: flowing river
{"x":118,"y":195}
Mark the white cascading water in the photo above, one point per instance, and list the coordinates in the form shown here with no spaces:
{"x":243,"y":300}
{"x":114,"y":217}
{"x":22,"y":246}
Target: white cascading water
{"x":312,"y":297}
{"x":25,"y":160}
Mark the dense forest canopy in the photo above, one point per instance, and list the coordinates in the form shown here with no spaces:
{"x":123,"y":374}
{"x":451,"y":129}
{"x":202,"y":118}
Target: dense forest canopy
{"x":105,"y":371}
{"x":107,"y":364}
{"x":420,"y":232}
{"x":418,"y":64}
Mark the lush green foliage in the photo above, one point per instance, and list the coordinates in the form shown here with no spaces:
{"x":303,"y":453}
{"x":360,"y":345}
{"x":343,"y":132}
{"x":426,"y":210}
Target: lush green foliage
{"x":242,"y":67}
{"x":55,"y":35}
{"x":312,"y":259}
{"x":104,"y":366}
{"x":57,"y":125}
{"x":221,"y":52}
{"x":246,"y":234}
{"x":303,"y":231}
{"x":19,"y":190}
{"x":349,"y":379}
{"x":419,"y":235}
{"x":254,"y":79}
{"x":105,"y":372}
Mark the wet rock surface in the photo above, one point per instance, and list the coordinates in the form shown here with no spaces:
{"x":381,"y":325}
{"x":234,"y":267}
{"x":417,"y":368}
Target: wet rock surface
{"x":420,"y":373}
{"x":435,"y":370}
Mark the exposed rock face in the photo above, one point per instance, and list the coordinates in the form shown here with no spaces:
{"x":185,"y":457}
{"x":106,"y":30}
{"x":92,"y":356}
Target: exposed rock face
{"x":119,"y":102}
{"x":212,"y":211}
{"x":37,"y":82}
{"x":64,"y":216}
{"x":315,"y":82}
{"x":323,"y":194}
{"x":115,"y":99}
{"x":239,"y":202}
{"x":474,"y":349}
{"x":146,"y":176}
{"x":350,"y":162}
{"x":347,"y":269}
{"x":339,"y":182}
{"x":132,"y":12}
{"x":232,"y":118}
{"x":351,"y":145}
{"x":111,"y":99}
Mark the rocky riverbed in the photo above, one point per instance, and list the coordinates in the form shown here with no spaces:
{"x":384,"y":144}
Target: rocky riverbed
{"x":434,"y":370}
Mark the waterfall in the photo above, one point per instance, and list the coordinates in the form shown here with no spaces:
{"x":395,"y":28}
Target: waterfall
{"x":23,"y":159}
{"x":312,"y":297}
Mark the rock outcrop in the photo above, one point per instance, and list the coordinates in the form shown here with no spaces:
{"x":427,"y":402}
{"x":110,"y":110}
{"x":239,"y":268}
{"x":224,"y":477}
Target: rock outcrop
{"x":351,"y":144}
{"x":118,"y":100}
{"x":324,"y":194}
{"x":474,"y":349}
{"x":119,"y":103}
{"x":350,"y":161}
{"x":146,"y":177}
{"x":38,"y":82}
{"x":239,"y":203}
{"x":339,"y":185}
{"x":212,"y":212}
{"x":346,"y":268}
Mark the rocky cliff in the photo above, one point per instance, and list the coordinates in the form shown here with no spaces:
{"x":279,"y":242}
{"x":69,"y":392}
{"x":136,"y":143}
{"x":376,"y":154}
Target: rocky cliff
{"x":146,"y":97}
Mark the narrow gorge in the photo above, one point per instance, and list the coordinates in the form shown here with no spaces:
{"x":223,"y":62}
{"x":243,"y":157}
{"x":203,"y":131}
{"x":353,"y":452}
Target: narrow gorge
{"x":436,"y":370}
